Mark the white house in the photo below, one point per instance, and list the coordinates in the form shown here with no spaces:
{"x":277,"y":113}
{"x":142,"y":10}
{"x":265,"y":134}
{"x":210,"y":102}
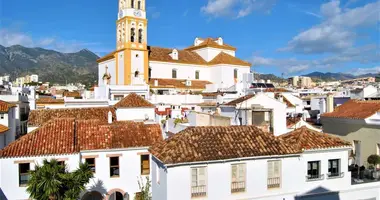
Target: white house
{"x":260,"y":110}
{"x":243,"y":162}
{"x":116,"y":151}
{"x":7,"y":123}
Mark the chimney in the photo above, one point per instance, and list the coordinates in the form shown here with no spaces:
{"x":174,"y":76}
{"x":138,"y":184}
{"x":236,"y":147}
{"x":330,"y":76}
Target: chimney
{"x":109,"y":117}
{"x":330,"y":102}
{"x":156,"y":83}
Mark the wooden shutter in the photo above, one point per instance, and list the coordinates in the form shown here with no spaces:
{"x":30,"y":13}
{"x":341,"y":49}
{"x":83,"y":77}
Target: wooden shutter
{"x":270,"y":169}
{"x":277,"y":168}
{"x":194,"y":177}
{"x":201,"y":176}
{"x":241,"y":172}
{"x":234,"y":173}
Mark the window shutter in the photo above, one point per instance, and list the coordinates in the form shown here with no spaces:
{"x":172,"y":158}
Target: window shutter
{"x":234,"y":173}
{"x":241,"y":173}
{"x":270,"y":170}
{"x":277,"y":167}
{"x":201,"y":176}
{"x":194,"y":176}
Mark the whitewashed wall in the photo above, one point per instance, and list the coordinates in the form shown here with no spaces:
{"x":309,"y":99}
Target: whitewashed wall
{"x":184,"y":71}
{"x":123,"y":114}
{"x":111,"y":69}
{"x":209,"y":53}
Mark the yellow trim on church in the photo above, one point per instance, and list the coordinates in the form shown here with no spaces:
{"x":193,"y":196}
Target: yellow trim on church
{"x":117,"y":67}
{"x":127,"y":66}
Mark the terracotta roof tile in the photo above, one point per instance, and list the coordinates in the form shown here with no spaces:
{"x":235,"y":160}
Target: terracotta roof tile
{"x":71,"y":94}
{"x":355,"y":109}
{"x":276,"y":90}
{"x":224,"y":58}
{"x":39,"y":117}
{"x":3,"y":128}
{"x":186,"y":57}
{"x":239,"y":100}
{"x":196,"y":144}
{"x":68,"y":136}
{"x":207,"y":104}
{"x":307,"y":139}
{"x":5,"y":106}
{"x":178,"y":83}
{"x":210,"y":42}
{"x":291,"y":121}
{"x":49,"y":100}
{"x":133,"y":100}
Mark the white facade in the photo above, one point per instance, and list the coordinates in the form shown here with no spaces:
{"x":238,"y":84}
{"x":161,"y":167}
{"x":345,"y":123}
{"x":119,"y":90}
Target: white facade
{"x":9,"y":120}
{"x":126,"y":183}
{"x":293,"y":184}
{"x":123,"y":114}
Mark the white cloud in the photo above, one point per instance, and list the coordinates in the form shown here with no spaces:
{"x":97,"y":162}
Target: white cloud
{"x":11,"y":37}
{"x":337,"y":32}
{"x":236,"y":8}
{"x":361,"y":71}
{"x":311,"y":13}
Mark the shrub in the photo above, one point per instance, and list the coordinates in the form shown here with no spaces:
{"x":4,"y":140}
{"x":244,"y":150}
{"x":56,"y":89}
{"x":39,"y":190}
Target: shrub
{"x":373,"y":159}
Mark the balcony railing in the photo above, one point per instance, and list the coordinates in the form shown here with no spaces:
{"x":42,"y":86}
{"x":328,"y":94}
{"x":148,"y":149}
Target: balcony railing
{"x":238,"y":186}
{"x":316,"y":177}
{"x":274,"y":182}
{"x":335,"y":175}
{"x":198,"y":191}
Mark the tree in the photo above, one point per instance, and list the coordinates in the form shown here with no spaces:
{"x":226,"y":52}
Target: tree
{"x":144,"y":193}
{"x":52,"y":181}
{"x":373,"y":160}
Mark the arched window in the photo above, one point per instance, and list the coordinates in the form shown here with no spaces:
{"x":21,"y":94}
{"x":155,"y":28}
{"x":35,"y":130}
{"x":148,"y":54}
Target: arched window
{"x":92,"y":196}
{"x":132,"y":3}
{"x":140,"y":35}
{"x":150,"y":73}
{"x":174,"y":73}
{"x":132,"y":34}
{"x":197,"y":75}
{"x":116,"y":196}
{"x":139,"y":5}
{"x":137,"y":73}
{"x":235,"y":73}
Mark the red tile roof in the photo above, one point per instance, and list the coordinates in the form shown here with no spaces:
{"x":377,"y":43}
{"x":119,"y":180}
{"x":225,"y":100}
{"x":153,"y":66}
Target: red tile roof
{"x":167,"y":111}
{"x":5,"y":106}
{"x":3,"y":129}
{"x":224,"y":58}
{"x":49,"y":100}
{"x":276,"y":90}
{"x":186,"y":57}
{"x":355,"y":109}
{"x":307,"y":139}
{"x":178,"y":83}
{"x":71,"y":94}
{"x":133,"y":100}
{"x":207,"y":104}
{"x":68,"y":136}
{"x":291,"y":121}
{"x":39,"y":117}
{"x":197,"y":144}
{"x":239,"y":100}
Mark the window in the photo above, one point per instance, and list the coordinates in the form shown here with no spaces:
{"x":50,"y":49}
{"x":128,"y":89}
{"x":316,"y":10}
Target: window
{"x":174,"y":73}
{"x":118,"y":97}
{"x":157,"y":174}
{"x":145,"y":165}
{"x":198,"y":182}
{"x":137,"y":74}
{"x":23,"y":170}
{"x":62,"y":163}
{"x":139,"y":5}
{"x":114,"y":167}
{"x":313,"y":170}
{"x":2,"y":116}
{"x":238,"y":178}
{"x":132,"y":3}
{"x":334,"y":168}
{"x":150,"y":73}
{"x":235,"y":73}
{"x":197,"y":75}
{"x":140,"y":35}
{"x":274,"y":174}
{"x":116,"y":196}
{"x":133,"y":34}
{"x":91,"y":163}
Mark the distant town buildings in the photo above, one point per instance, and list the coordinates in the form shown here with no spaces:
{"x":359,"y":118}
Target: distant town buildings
{"x":300,"y":81}
{"x":20,"y":81}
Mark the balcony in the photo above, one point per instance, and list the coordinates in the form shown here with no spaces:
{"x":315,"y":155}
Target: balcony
{"x":315,"y":177}
{"x":198,"y":191}
{"x":238,"y":187}
{"x":274,"y":182}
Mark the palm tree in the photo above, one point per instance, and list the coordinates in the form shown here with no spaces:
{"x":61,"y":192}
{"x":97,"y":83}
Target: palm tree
{"x":52,"y":181}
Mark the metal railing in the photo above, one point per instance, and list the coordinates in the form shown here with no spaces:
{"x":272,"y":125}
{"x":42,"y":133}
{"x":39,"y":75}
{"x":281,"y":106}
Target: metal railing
{"x":274,"y":182}
{"x":238,"y":186}
{"x":335,"y":175}
{"x":316,"y":177}
{"x":198,"y":191}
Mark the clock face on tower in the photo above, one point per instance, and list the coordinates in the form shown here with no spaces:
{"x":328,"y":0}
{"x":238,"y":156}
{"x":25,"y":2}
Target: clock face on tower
{"x":137,"y":13}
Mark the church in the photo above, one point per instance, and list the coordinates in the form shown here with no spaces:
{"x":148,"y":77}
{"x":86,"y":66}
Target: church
{"x":137,"y":67}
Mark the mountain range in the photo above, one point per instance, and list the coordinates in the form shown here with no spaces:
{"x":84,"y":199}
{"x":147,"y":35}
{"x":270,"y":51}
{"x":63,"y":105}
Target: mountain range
{"x":49,"y":65}
{"x":320,"y":76}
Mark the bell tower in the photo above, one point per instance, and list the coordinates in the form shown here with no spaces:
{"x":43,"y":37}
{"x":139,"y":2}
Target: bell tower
{"x":132,"y":52}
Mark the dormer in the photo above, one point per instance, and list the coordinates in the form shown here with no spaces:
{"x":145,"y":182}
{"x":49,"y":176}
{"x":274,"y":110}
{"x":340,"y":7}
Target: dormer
{"x":174,"y":54}
{"x":219,"y":41}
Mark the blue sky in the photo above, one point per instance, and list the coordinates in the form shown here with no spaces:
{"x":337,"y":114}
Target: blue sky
{"x":289,"y":36}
